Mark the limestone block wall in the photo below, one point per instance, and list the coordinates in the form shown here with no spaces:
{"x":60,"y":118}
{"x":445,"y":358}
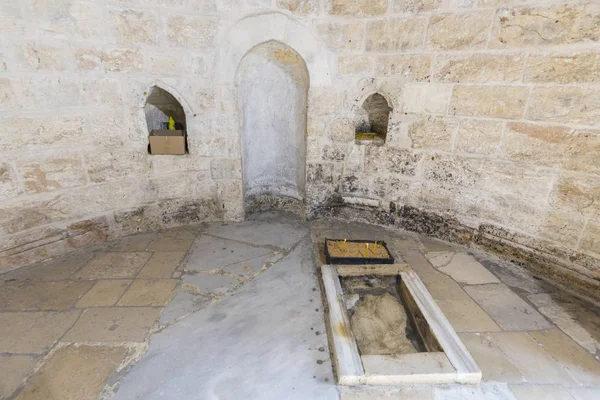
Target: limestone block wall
{"x":493,"y":138}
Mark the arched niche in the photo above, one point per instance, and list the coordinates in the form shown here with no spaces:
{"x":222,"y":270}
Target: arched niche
{"x":159,"y":106}
{"x":372,"y":119}
{"x":273,"y":83}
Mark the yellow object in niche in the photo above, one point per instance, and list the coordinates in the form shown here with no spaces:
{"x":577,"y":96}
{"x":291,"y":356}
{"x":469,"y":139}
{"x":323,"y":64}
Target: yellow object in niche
{"x":171,"y":124}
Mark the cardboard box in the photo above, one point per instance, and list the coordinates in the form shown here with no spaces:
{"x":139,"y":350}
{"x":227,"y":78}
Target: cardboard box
{"x":167,"y":142}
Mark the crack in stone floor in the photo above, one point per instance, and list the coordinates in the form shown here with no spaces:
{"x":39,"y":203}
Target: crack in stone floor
{"x":222,"y":311}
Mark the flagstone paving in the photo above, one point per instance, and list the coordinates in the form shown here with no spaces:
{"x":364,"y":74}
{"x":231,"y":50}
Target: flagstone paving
{"x":220,"y":311}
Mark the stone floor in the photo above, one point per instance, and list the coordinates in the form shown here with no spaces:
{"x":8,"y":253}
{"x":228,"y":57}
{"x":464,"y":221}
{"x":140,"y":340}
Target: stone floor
{"x":224,"y":311}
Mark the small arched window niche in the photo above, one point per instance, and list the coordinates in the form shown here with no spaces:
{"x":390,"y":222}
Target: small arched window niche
{"x":372,"y":120}
{"x":165,"y":138}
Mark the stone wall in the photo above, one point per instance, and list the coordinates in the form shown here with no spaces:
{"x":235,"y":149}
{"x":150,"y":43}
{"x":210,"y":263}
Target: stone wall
{"x":494,"y":124}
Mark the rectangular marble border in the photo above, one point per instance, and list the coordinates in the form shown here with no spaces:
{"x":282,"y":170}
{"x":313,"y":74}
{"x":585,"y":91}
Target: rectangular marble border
{"x":347,"y":361}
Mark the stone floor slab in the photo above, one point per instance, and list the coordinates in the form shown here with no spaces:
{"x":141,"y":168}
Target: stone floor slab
{"x":208,"y":283}
{"x":114,"y":324}
{"x":278,"y":234}
{"x":135,"y":242}
{"x":162,"y":264}
{"x":263,"y":341}
{"x":170,"y":244}
{"x":33,"y":332}
{"x":565,"y":320}
{"x":210,"y":253}
{"x":540,"y":392}
{"x":536,"y":365}
{"x":585,"y":393}
{"x":38,"y":296}
{"x":182,"y":233}
{"x":580,"y":364}
{"x":442,"y":287}
{"x":114,"y":265}
{"x":435,"y":245}
{"x":467,"y":316}
{"x":248,"y":267}
{"x":13,"y":370}
{"x":104,"y":293}
{"x":183,"y":304}
{"x":517,"y":277}
{"x":506,"y":308}
{"x":485,"y":391}
{"x":54,"y":270}
{"x":385,"y":393}
{"x":74,"y":373}
{"x":493,"y":363}
{"x":148,"y":292}
{"x":465,"y":269}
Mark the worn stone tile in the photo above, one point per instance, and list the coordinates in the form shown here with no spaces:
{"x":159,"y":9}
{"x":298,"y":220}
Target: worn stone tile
{"x":262,"y":233}
{"x":148,"y":292}
{"x":135,"y":243}
{"x":210,"y":283}
{"x":33,"y":332}
{"x":536,"y":365}
{"x":566,"y":321}
{"x":485,"y":391}
{"x":170,"y":244}
{"x":13,"y":370}
{"x":580,"y":364}
{"x":213,"y":253}
{"x":465,"y":269}
{"x":506,"y":308}
{"x":517,"y":277}
{"x":441,"y":287}
{"x":467,"y":316}
{"x":493,"y":363}
{"x":181,"y":232}
{"x":104,"y":293}
{"x":434,"y":245}
{"x":114,"y":265}
{"x":74,"y":373}
{"x":162,"y":264}
{"x":28,"y":295}
{"x":183,"y":304}
{"x":53,"y":270}
{"x":585,"y":393}
{"x":248,"y":267}
{"x":546,"y":392}
{"x":372,"y":392}
{"x":112,"y":324}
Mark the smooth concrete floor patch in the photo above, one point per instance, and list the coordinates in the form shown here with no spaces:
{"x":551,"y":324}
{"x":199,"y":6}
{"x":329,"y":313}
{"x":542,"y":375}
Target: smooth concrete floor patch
{"x":262,"y":343}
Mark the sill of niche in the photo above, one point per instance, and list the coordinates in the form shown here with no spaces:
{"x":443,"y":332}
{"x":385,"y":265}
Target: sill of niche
{"x":369,"y":142}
